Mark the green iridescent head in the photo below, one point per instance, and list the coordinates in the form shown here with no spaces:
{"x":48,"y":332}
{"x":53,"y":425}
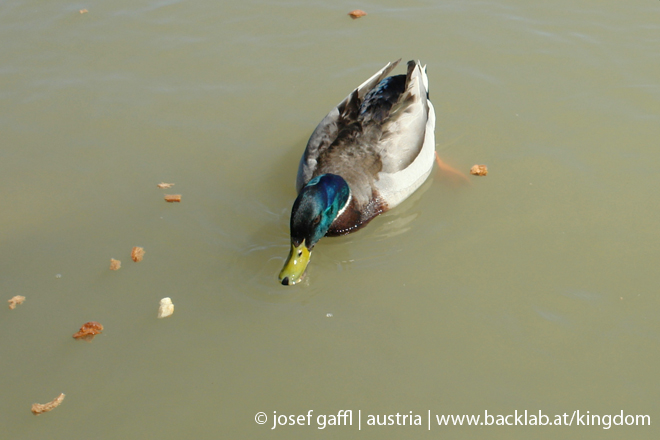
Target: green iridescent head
{"x":317,"y":206}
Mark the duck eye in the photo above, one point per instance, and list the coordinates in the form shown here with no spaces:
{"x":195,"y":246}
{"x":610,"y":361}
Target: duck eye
{"x":316,"y":220}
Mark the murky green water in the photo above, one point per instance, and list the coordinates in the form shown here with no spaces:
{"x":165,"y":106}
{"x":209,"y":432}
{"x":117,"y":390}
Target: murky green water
{"x":534,"y":288}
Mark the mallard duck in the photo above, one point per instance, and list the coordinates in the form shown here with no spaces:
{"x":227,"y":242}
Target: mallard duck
{"x":370,"y":153}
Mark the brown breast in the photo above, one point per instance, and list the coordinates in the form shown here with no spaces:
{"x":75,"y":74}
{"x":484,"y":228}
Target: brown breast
{"x":355,"y":217}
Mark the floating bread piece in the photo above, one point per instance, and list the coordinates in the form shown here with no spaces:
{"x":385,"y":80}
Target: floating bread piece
{"x":479,"y":170}
{"x":89,"y":330}
{"x":357,"y":14}
{"x":38,"y":408}
{"x":114,"y":264}
{"x":16,"y":301}
{"x":166,"y":308}
{"x":172,"y":198}
{"x":165,"y":185}
{"x":137,"y":254}
{"x":83,"y":11}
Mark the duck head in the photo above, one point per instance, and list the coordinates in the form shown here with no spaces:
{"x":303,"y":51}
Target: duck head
{"x":319,"y":203}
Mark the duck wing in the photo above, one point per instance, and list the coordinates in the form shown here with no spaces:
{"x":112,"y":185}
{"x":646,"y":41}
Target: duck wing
{"x":338,"y":119}
{"x":407,"y":144}
{"x":404,"y":130}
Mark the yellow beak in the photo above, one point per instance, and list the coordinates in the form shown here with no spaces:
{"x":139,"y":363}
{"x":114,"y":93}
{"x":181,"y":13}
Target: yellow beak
{"x":295,"y":265}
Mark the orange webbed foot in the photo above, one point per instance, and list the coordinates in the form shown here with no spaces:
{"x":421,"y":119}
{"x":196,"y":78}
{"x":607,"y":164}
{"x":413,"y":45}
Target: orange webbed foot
{"x":450,"y":172}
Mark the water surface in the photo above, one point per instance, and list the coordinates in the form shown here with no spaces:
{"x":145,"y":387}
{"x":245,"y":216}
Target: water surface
{"x":534,"y":288}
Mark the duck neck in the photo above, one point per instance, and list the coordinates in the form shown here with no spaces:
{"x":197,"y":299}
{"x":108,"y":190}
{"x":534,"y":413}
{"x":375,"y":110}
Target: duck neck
{"x":337,"y":194}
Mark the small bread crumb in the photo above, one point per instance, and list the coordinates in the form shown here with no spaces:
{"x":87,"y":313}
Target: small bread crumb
{"x":16,"y":301}
{"x":166,"y":308}
{"x":114,"y":264}
{"x":137,"y":254}
{"x":38,"y":408}
{"x":88,"y":331}
{"x":479,"y":170}
{"x":172,"y":198}
{"x":357,"y":14}
{"x":165,"y":185}
{"x":83,"y":11}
